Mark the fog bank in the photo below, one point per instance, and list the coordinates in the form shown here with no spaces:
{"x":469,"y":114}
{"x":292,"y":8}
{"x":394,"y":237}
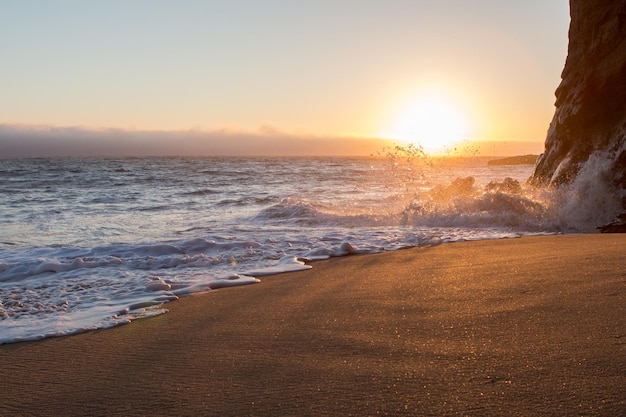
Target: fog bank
{"x":18,"y":141}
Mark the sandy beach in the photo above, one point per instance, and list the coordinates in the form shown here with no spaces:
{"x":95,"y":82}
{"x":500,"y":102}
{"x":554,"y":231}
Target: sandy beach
{"x":513,"y":327}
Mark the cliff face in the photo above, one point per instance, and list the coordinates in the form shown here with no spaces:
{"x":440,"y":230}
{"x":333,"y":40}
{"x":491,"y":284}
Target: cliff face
{"x":590,"y":116}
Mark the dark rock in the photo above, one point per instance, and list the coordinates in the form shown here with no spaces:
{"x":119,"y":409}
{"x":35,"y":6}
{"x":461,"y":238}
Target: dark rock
{"x":590,"y":114}
{"x":509,"y":185}
{"x":460,"y":187}
{"x":618,"y":226}
{"x":515,"y":160}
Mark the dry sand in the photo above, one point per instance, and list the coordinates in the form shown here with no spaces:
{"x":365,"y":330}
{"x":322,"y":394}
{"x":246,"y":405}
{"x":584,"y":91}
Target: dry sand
{"x":529,"y":326}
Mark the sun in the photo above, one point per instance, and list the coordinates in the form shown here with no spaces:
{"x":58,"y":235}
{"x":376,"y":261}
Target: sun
{"x":433,"y":123}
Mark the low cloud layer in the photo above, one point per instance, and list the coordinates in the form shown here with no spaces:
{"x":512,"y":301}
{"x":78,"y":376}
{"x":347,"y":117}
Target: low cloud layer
{"x":28,"y":141}
{"x":18,"y":141}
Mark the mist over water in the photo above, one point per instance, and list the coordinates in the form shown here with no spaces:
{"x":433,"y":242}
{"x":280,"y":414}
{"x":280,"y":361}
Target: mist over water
{"x":91,"y":243}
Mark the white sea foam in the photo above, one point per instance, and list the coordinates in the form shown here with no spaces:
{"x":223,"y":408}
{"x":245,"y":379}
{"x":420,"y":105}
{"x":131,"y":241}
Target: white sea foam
{"x":94,"y":243}
{"x":592,"y":199}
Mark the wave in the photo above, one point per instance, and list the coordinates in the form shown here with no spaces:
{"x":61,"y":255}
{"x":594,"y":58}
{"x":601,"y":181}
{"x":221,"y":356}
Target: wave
{"x":246,"y":201}
{"x":460,"y":204}
{"x":201,"y":192}
{"x":57,"y":291}
{"x":291,"y":209}
{"x":595,"y":197}
{"x":589,"y":201}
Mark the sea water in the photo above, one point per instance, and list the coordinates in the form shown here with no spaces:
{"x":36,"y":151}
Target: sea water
{"x":91,"y":243}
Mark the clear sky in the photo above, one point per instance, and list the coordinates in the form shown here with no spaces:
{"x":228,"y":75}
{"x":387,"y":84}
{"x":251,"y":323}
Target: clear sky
{"x":303,"y":68}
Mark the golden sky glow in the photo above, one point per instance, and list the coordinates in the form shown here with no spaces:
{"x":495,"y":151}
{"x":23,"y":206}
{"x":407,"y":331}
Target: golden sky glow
{"x":342,"y":68}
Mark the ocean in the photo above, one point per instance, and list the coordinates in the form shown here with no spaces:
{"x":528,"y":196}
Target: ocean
{"x":91,"y":243}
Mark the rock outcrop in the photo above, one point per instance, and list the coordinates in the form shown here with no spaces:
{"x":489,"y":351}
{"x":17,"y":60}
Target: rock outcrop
{"x":590,"y":117}
{"x":515,"y":160}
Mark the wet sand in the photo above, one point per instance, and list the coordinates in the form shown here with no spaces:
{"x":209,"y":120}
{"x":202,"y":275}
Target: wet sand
{"x":514,"y":327}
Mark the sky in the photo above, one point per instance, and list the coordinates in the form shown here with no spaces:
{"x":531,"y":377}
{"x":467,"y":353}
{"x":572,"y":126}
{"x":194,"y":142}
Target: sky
{"x":272,"y":76}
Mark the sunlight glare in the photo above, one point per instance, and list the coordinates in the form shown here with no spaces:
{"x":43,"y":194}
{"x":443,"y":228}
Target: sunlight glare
{"x":431,"y":122}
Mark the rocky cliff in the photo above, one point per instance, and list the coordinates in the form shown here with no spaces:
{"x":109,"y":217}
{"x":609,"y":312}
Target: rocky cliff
{"x":590,"y":118}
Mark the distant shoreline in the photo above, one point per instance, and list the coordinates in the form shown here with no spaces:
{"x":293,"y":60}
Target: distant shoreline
{"x":515,"y":160}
